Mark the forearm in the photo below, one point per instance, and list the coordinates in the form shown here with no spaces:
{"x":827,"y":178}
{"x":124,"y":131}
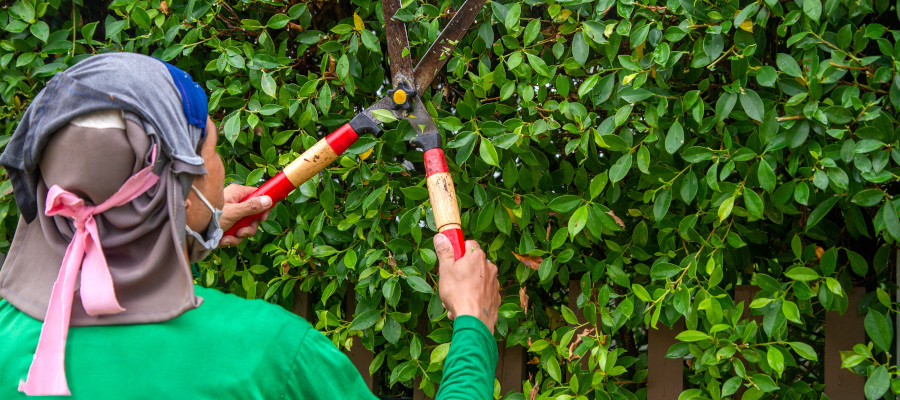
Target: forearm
{"x":470,"y":363}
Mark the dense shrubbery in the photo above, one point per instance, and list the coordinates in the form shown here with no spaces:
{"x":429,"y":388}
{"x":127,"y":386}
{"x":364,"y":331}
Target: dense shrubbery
{"x":658,"y":154}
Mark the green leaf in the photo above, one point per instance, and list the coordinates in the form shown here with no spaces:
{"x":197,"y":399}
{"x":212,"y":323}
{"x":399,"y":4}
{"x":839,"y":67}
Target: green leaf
{"x":641,"y":293}
{"x":439,"y":353}
{"x":418,"y":284}
{"x":858,"y":264}
{"x":488,"y":153}
{"x":663,"y":270}
{"x":753,"y":203}
{"x":752,"y":104}
{"x":365,"y":320}
{"x":788,"y":65}
{"x":696,"y":154}
{"x":268,"y":85}
{"x":879,"y":329}
{"x":553,"y":369}
{"x":598,"y":184}
{"x":578,"y":220}
{"x":675,"y":138}
{"x":791,"y":312}
{"x":564,"y":203}
{"x":868,"y":197}
{"x":545,"y":269}
{"x":812,"y":9}
{"x":804,"y":350}
{"x":384,"y":116}
{"x":878,"y":383}
{"x":775,"y":359}
{"x":802,"y":274}
{"x":580,"y":48}
{"x":828,"y":261}
{"x":512,"y":17}
{"x":568,"y":315}
{"x":766,"y":176}
{"x":766,"y":76}
{"x":820,"y":212}
{"x":692,"y":336}
{"x":725,"y":208}
{"x":891,"y":220}
{"x":538,"y":64}
{"x":232,"y":126}
{"x":531,"y":31}
{"x":40,"y":30}
{"x":415,"y":193}
{"x":661,"y":204}
{"x":587,"y":85}
{"x":140,"y":17}
{"x":618,"y":171}
{"x":278,"y":21}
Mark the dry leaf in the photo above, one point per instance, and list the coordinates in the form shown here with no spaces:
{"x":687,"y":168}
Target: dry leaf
{"x":518,"y":199}
{"x":615,"y":217}
{"x":534,"y":361}
{"x":534,"y":392}
{"x":585,"y":332}
{"x":529,"y":261}
{"x":819,"y":252}
{"x":523,"y":300}
{"x":164,"y":7}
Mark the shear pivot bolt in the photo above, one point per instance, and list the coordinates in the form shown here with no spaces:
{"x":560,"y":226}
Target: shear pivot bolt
{"x":399,"y":97}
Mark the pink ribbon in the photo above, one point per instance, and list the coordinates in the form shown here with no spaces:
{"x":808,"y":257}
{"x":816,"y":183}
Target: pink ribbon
{"x":47,"y":374}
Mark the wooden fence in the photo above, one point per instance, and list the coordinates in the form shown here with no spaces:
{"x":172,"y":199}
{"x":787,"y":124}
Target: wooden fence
{"x":665,"y":376}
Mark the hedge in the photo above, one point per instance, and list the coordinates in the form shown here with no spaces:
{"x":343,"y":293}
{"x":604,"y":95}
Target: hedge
{"x":657,"y":153}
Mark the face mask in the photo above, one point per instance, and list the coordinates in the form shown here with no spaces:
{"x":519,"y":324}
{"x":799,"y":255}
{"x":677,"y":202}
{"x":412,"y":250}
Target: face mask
{"x":198,"y":247}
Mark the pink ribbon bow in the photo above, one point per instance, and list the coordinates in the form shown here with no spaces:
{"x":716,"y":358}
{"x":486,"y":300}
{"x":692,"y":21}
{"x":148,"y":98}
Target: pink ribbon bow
{"x":47,"y":374}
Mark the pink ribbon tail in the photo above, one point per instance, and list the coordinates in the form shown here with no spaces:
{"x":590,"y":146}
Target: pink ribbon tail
{"x":47,"y":374}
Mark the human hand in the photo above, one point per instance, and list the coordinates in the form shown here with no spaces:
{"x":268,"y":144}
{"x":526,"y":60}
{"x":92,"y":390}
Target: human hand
{"x":467,"y":286}
{"x":234,"y":210}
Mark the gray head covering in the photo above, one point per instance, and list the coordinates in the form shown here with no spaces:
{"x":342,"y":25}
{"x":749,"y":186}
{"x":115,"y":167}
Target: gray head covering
{"x":143,"y":240}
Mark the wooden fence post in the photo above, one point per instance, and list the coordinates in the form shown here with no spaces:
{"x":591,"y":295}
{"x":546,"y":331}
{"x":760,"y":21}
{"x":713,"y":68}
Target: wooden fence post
{"x":841,"y":333}
{"x":665,"y":376}
{"x":301,"y":303}
{"x":359,"y":355}
{"x":511,"y":367}
{"x":746,"y":293}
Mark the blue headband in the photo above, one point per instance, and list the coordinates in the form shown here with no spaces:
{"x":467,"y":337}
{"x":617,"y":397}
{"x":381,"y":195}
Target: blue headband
{"x":193,"y":98}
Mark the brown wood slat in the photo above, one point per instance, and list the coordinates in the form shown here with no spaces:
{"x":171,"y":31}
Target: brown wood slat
{"x":842,"y":332}
{"x":665,"y":376}
{"x":358,"y":354}
{"x":511,"y":368}
{"x":746,"y":293}
{"x":301,"y":303}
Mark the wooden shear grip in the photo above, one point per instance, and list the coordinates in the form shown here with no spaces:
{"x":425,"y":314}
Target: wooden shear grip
{"x":310,"y":163}
{"x":443,"y":200}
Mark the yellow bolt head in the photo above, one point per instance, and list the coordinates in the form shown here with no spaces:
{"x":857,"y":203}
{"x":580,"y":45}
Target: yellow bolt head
{"x":399,"y":96}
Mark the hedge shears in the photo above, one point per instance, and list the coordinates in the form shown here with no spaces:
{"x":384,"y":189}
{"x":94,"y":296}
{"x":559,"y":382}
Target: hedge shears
{"x":404,"y":101}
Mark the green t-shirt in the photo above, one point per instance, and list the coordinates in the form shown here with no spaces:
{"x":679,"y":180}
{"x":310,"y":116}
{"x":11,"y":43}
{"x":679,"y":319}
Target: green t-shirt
{"x":228,"y":348}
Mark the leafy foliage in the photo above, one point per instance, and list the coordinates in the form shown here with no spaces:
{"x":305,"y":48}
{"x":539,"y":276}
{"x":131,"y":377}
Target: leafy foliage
{"x":654,"y":155}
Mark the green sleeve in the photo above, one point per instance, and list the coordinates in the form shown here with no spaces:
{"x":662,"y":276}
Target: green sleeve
{"x":470,"y":363}
{"x":321,"y":371}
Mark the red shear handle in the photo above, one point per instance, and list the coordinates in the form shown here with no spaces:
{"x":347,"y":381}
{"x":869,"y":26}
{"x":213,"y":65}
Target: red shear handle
{"x":321,"y":155}
{"x":443,"y":200}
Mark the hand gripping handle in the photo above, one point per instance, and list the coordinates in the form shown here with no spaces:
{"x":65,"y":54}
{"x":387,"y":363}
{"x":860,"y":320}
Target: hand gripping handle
{"x":443,"y":200}
{"x":313,"y":160}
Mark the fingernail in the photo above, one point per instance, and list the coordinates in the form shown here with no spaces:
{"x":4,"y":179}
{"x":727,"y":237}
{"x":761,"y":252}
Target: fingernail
{"x":439,"y":239}
{"x":265,"y":201}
